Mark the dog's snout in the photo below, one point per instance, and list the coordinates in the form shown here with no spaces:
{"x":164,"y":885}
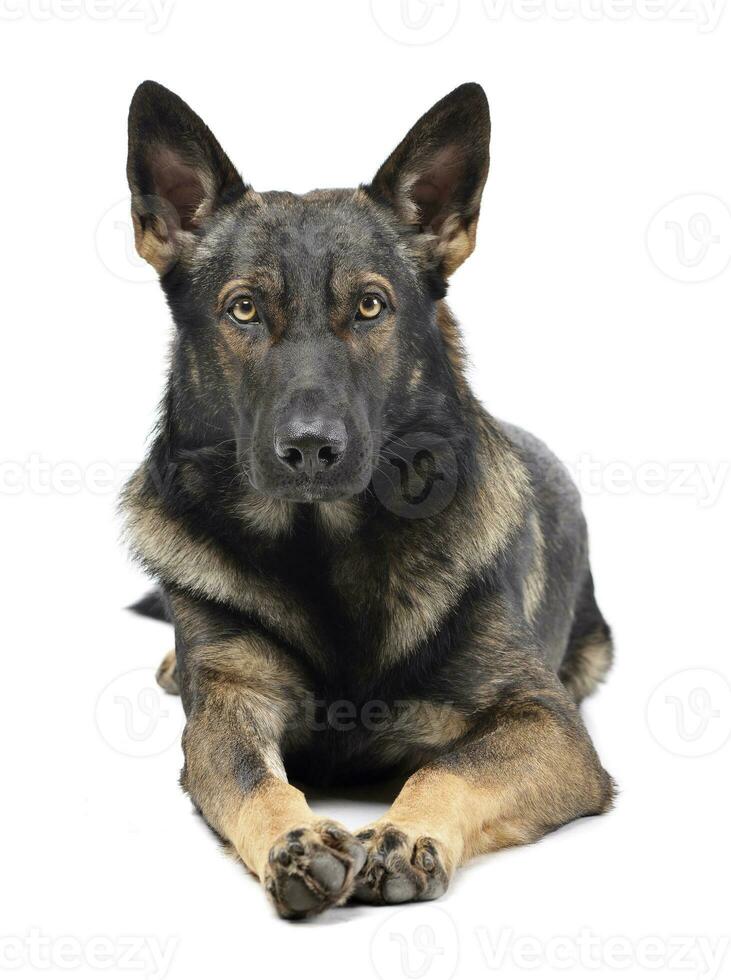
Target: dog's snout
{"x":310,"y":445}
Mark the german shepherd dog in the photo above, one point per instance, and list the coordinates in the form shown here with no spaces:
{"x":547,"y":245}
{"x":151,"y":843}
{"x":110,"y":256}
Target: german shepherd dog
{"x":367,"y":574}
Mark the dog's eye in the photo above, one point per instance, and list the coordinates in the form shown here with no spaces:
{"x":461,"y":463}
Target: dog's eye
{"x":243,"y":310}
{"x":370,"y":307}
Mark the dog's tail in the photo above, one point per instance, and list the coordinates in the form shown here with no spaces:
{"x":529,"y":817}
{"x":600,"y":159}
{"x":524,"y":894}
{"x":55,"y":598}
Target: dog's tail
{"x":153,"y":605}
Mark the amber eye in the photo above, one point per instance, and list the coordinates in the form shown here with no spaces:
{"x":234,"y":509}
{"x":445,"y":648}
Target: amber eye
{"x":243,"y":310}
{"x":370,"y":307}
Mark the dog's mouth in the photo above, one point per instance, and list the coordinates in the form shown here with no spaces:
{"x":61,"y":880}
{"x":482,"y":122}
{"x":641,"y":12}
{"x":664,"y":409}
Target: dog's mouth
{"x":313,"y":495}
{"x":309,"y":490}
{"x":342,"y":481}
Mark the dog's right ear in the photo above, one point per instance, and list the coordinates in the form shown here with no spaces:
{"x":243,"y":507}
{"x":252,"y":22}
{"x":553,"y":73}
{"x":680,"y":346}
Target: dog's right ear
{"x":434,"y":178}
{"x":177,"y":172}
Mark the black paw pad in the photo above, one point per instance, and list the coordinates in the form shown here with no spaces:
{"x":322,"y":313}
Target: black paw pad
{"x":311,"y":869}
{"x":398,"y":869}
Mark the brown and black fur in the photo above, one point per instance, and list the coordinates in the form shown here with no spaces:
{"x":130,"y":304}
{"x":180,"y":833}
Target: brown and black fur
{"x":327,"y":630}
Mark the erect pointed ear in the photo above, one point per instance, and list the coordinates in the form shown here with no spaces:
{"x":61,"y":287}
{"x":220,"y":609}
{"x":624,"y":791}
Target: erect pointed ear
{"x":435,"y":176}
{"x":177,"y":172}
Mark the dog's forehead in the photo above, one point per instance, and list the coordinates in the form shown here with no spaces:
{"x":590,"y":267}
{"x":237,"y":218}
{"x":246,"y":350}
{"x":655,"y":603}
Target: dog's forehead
{"x":310,"y":235}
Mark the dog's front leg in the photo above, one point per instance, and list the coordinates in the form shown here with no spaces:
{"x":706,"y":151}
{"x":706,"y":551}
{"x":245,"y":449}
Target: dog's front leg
{"x":528,"y":768}
{"x":244,"y":696}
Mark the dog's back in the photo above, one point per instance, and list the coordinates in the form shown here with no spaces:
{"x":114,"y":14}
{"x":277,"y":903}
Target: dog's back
{"x":575,"y":637}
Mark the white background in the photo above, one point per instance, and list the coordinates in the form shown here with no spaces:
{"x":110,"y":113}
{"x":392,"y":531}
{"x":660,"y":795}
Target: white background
{"x":589,"y":320}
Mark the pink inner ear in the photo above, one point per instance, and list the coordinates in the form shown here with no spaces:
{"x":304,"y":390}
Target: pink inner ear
{"x":179,"y":183}
{"x":434,"y":190}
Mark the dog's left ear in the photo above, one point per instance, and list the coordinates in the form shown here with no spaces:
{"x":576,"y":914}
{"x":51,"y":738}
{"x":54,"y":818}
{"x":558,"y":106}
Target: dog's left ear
{"x":177,"y":172}
{"x":435,"y":176}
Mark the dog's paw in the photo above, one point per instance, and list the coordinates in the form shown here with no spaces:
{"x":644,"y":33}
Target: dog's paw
{"x":312,"y":868}
{"x":399,"y":867}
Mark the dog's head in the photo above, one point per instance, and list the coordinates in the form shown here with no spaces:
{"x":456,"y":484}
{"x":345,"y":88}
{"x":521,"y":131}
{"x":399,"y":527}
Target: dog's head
{"x":307,"y":325}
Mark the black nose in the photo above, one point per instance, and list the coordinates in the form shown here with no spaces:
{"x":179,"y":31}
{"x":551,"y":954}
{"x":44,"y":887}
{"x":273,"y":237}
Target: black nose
{"x":310,"y":445}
